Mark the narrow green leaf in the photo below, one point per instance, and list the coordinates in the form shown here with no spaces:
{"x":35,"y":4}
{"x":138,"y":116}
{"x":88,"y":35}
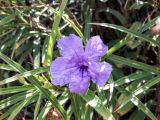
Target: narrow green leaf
{"x":79,"y":32}
{"x":134,"y":64}
{"x":14,"y":99}
{"x":36,"y":52}
{"x":138,"y":103}
{"x":37,"y":106}
{"x":97,"y":104}
{"x":146,"y":86}
{"x":139,"y":4}
{"x":88,"y":19}
{"x":19,"y":108}
{"x":131,"y":32}
{"x":25,"y":74}
{"x":9,"y":111}
{"x":15,"y":89}
{"x":75,"y":28}
{"x":149,"y":24}
{"x":6,"y":67}
{"x":138,"y":114}
{"x":16,"y":39}
{"x":135,"y":26}
{"x":75,"y":104}
{"x":127,"y":79}
{"x":7,"y":19}
{"x":141,"y":89}
{"x":114,"y":12}
{"x":44,"y":111}
{"x":53,"y":35}
{"x":38,"y":85}
{"x":122,"y":98}
{"x":12,"y":63}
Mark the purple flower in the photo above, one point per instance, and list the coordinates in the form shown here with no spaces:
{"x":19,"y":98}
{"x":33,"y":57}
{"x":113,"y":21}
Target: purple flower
{"x":77,"y":67}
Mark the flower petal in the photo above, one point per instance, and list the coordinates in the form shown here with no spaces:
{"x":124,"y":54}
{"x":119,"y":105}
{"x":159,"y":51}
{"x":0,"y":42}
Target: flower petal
{"x":70,"y":46}
{"x":100,"y":72}
{"x":79,"y":83}
{"x":95,"y":48}
{"x":61,"y":69}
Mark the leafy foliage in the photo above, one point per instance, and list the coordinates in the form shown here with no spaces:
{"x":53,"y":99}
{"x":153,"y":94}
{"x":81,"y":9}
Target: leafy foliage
{"x":29,"y":30}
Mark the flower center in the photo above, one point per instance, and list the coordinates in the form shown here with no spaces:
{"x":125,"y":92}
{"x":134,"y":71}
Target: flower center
{"x":84,"y":67}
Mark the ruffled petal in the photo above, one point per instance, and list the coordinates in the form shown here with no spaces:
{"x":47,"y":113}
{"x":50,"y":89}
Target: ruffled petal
{"x":79,"y":83}
{"x":61,"y":70}
{"x":70,"y":46}
{"x":100,"y":72}
{"x":95,"y":48}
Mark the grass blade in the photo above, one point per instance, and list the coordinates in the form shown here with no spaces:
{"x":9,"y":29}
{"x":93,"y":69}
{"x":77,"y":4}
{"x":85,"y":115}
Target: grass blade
{"x":138,"y":103}
{"x":127,"y":79}
{"x":19,"y":107}
{"x":135,"y":64}
{"x":131,"y":32}
{"x":25,"y":74}
{"x":54,"y":33}
{"x":141,"y":89}
{"x":14,"y":89}
{"x":38,"y":85}
{"x":97,"y":104}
